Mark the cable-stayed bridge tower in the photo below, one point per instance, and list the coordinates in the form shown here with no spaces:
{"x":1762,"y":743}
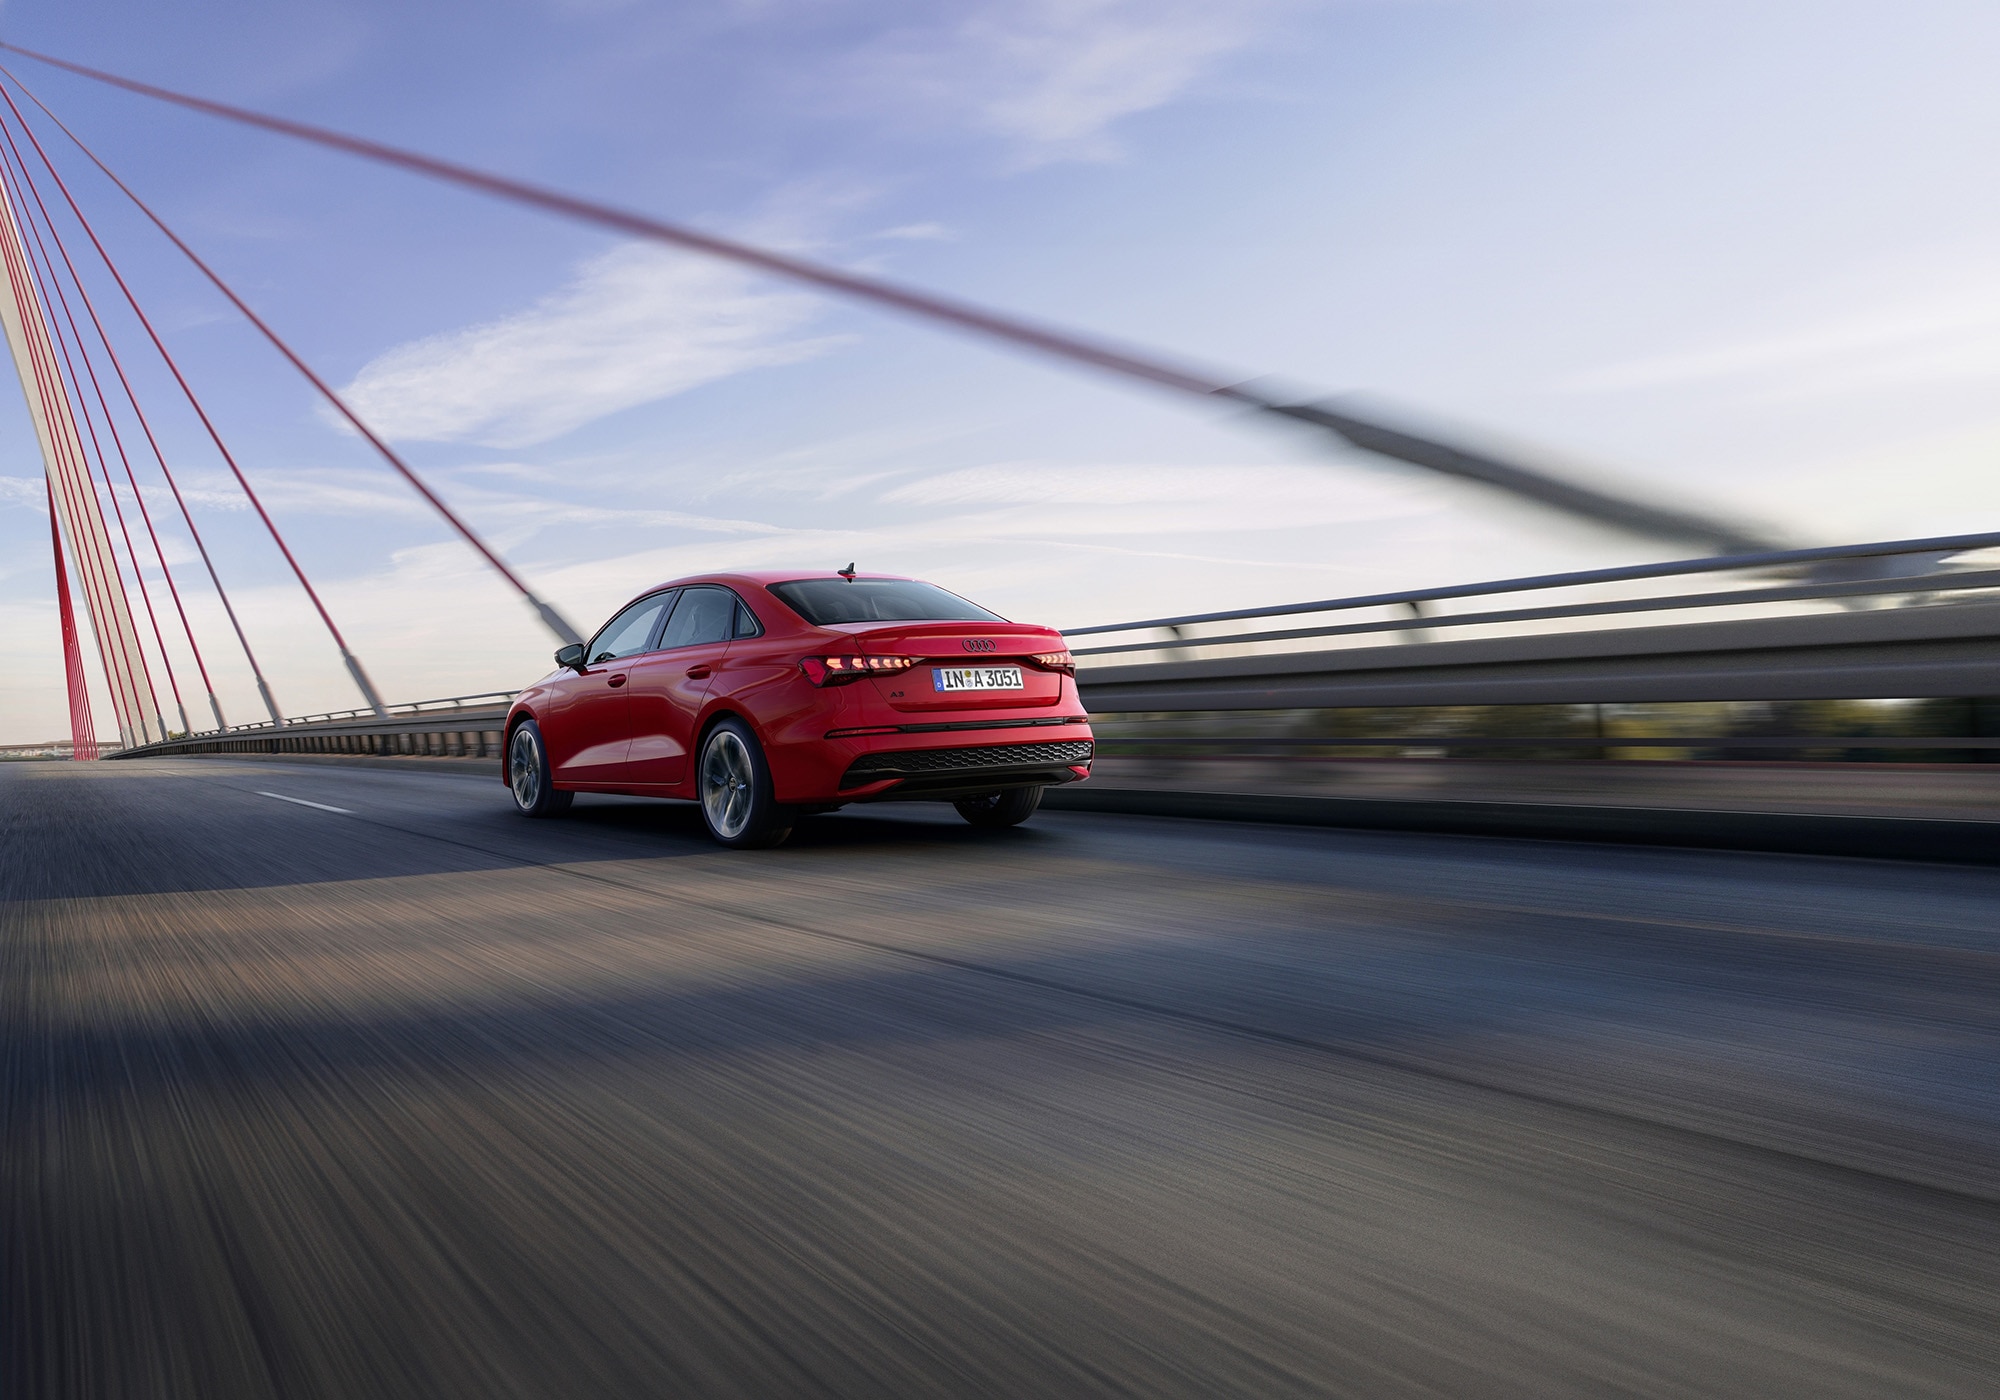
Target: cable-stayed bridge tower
{"x":73,"y":500}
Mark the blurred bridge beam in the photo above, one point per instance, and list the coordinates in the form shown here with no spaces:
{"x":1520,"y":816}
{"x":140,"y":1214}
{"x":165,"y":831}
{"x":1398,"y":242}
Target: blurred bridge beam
{"x":1595,"y":505}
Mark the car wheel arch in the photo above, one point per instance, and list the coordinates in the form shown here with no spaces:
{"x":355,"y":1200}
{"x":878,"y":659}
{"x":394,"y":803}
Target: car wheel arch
{"x":720,"y":711}
{"x":514,"y":723}
{"x":515,"y":719}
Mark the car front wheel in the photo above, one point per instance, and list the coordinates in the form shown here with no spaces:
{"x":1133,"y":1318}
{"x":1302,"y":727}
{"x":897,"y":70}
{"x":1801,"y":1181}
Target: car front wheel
{"x":734,"y":784}
{"x":528,"y":775}
{"x":997,"y":809}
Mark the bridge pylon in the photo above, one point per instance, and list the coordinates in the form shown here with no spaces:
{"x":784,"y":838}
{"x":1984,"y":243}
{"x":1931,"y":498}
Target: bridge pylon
{"x":73,"y":499}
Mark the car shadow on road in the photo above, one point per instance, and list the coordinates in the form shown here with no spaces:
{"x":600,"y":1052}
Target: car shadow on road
{"x":887,"y":824}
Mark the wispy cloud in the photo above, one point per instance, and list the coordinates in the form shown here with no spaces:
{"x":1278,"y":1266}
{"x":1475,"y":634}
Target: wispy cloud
{"x":1930,"y":338}
{"x":635,"y":325}
{"x":24,"y":490}
{"x":1054,"y":76}
{"x":1193,"y":497}
{"x":311,"y":491}
{"x":917,"y":233}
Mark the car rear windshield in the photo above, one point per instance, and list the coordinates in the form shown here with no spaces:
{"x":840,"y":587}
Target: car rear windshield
{"x":825,"y":601}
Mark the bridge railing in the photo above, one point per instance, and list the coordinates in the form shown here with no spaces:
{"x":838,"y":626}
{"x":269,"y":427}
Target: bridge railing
{"x":1871,"y":621}
{"x":455,"y":702}
{"x":1884,"y":621}
{"x":460,"y":726}
{"x":1788,"y":582}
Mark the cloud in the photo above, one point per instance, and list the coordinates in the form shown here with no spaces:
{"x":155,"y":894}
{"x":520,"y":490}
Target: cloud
{"x":29,"y":491}
{"x":543,"y":513}
{"x":291,"y":492}
{"x":1055,"y":75}
{"x":918,"y":233}
{"x":635,"y":325}
{"x":1928,"y":339}
{"x":1273,"y":496}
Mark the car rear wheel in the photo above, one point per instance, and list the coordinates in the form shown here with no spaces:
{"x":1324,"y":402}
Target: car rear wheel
{"x":734,"y":785}
{"x":528,"y":775}
{"x":997,"y":809}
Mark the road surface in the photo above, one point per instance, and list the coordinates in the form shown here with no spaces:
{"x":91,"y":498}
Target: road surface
{"x":327,"y":1081}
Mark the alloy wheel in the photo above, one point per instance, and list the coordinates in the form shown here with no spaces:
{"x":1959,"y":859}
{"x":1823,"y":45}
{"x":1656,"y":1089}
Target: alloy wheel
{"x":726,"y":784}
{"x":524,"y":769}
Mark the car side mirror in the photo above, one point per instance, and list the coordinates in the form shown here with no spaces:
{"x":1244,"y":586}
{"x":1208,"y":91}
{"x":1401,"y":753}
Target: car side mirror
{"x":571,"y":656}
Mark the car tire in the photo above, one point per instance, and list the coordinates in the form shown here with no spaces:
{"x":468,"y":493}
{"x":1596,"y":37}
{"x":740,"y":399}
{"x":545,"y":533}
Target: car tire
{"x":733,"y":787}
{"x":997,"y":809}
{"x":528,"y":775}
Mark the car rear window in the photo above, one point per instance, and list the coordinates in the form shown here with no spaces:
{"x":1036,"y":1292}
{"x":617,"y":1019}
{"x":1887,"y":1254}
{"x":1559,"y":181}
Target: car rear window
{"x":825,"y":601}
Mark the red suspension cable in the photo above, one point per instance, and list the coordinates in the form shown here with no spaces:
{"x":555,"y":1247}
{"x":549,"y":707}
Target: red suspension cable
{"x":61,"y":465}
{"x":82,"y":729}
{"x":187,"y":518}
{"x":46,"y":273}
{"x":48,"y":385}
{"x":74,"y":468}
{"x":124,"y":459}
{"x":173,"y":486}
{"x":554,"y":620}
{"x":353,"y":663}
{"x":111,"y":424}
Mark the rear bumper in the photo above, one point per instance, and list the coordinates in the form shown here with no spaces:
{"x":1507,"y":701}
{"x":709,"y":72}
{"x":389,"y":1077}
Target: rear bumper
{"x":930,"y":774}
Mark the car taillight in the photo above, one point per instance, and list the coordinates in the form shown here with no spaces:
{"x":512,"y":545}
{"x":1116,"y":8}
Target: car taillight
{"x":1055,"y":661}
{"x":838,"y":670}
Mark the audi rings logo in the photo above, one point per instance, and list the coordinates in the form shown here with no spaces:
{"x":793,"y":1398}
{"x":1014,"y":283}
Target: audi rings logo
{"x":980,"y":644}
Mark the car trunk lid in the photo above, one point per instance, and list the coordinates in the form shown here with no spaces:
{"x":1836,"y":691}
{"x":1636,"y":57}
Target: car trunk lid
{"x":963,"y":665}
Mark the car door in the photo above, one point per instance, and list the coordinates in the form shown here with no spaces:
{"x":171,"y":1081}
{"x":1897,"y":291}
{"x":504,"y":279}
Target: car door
{"x":669,"y":685}
{"x":588,"y":725}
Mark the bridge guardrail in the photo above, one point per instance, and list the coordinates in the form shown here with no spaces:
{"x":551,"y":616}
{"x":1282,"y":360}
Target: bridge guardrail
{"x":454,"y":702}
{"x":1882,"y":620}
{"x":1886,"y":620}
{"x":1839,"y":573}
{"x":430,"y":729}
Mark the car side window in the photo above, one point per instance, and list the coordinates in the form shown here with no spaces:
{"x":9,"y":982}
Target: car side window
{"x":628,"y":633}
{"x":747,"y":624}
{"x":704,"y":614}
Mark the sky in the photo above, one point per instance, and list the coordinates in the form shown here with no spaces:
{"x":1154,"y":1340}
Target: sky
{"x":1741,"y":258}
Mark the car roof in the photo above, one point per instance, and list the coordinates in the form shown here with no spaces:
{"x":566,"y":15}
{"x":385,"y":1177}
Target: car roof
{"x":763,"y":578}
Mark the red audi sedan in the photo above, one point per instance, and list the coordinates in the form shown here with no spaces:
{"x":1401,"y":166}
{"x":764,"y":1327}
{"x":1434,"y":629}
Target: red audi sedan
{"x":765,"y":696}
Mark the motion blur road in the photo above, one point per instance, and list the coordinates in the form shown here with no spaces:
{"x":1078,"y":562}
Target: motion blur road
{"x":418,"y":1098}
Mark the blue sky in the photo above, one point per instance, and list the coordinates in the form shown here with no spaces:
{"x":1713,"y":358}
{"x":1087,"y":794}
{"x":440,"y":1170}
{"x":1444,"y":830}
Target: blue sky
{"x":1742,"y":256}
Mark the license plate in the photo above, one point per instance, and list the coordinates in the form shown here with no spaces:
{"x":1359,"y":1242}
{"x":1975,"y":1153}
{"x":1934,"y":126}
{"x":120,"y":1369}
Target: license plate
{"x":977,"y":678}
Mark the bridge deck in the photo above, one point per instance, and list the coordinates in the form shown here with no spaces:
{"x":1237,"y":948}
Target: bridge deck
{"x":417,"y":1098}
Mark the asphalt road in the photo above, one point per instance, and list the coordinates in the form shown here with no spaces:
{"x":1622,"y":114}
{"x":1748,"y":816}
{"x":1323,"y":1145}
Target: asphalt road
{"x":417,"y":1098}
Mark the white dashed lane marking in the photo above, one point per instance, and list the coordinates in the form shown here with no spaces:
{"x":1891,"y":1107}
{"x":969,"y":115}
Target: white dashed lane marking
{"x":345,"y":812}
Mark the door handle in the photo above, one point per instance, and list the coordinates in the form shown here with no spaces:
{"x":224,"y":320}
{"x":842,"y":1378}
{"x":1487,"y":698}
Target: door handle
{"x":699,"y":673}
{"x":616,"y":681}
